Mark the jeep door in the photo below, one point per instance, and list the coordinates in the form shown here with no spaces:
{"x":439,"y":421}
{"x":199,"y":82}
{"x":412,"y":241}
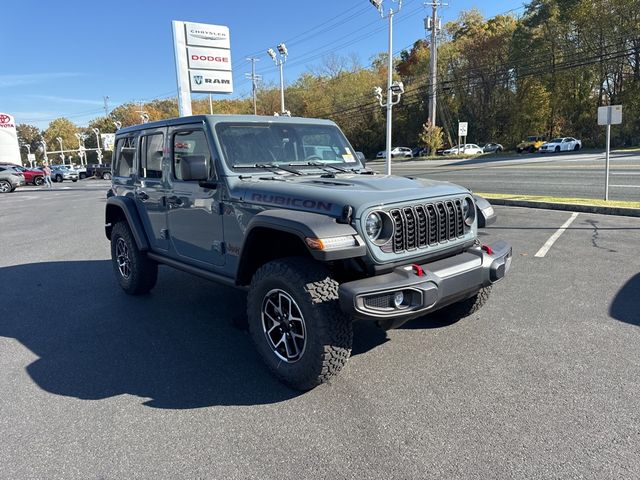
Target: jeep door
{"x":194,"y":213}
{"x":151,"y":186}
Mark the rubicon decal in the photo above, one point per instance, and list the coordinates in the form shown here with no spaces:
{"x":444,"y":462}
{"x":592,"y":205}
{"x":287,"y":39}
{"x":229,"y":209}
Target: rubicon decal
{"x":281,"y":200}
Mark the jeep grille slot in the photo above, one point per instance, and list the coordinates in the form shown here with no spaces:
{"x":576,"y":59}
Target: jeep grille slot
{"x":418,"y":226}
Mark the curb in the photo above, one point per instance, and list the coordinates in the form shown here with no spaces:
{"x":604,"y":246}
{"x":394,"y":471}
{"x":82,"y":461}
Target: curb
{"x":569,"y":207}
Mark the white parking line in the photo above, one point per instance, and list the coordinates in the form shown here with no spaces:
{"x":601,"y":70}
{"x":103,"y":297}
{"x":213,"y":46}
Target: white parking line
{"x":625,"y":186}
{"x":545,"y":248}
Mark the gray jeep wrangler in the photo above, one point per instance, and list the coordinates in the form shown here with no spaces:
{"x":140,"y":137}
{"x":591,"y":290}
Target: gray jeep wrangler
{"x":284,"y":208}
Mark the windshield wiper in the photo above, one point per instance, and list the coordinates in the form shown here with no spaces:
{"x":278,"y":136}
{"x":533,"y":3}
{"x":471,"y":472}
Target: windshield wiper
{"x":270,"y":166}
{"x":323,"y":166}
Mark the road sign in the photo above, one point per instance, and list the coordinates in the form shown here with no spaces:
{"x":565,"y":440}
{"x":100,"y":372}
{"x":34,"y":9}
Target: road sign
{"x":610,"y":115}
{"x":463,"y":128}
{"x":31,"y":157}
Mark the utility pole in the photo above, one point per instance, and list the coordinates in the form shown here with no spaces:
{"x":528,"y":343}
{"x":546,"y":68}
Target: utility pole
{"x":254,"y":82}
{"x":106,"y":105}
{"x":434,"y":25}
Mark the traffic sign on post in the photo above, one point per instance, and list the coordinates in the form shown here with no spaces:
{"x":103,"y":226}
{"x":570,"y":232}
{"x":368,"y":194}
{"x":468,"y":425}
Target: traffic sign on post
{"x":609,"y":115}
{"x":463,"y":128}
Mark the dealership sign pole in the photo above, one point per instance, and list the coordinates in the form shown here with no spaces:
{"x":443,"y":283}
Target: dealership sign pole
{"x":203,"y":61}
{"x":611,"y":115}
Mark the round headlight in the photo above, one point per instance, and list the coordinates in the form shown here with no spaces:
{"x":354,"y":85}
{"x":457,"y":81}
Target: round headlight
{"x":373,"y":225}
{"x":468,"y":211}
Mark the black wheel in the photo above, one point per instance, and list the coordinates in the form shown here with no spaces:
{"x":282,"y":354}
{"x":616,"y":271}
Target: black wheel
{"x":498,"y":150}
{"x":13,"y":190}
{"x":58,"y":178}
{"x":106,"y":176}
{"x":519,"y":150}
{"x":557,"y":149}
{"x":38,"y":181}
{"x":469,"y":306}
{"x":5,"y":187}
{"x":135,"y":272}
{"x":532,"y":149}
{"x":296,"y":323}
{"x":577,"y":147}
{"x":74,"y":180}
{"x":83,"y":176}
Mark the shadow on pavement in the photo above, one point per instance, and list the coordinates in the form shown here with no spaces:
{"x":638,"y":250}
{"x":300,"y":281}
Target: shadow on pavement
{"x":176,"y":347}
{"x":626,"y":304}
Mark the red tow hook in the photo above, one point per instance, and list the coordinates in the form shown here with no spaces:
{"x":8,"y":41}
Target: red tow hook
{"x":487,"y":249}
{"x":417,"y":269}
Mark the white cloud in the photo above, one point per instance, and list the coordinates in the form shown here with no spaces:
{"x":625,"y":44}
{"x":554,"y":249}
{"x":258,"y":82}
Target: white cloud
{"x":32,"y":78}
{"x":52,"y":98}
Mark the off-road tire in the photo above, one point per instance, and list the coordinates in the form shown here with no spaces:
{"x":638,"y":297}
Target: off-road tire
{"x":5,"y":187}
{"x":469,"y":306}
{"x":329,"y":332}
{"x":143,"y":272}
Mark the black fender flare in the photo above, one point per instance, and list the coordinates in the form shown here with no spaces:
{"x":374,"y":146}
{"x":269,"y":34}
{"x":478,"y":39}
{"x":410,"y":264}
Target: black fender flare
{"x":308,"y":225}
{"x":118,"y":206}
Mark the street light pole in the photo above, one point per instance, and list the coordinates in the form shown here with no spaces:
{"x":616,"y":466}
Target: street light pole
{"x":44,"y":150}
{"x":282,"y":49}
{"x":59,"y":139}
{"x":98,"y":150}
{"x":81,"y":149}
{"x":393,"y":89}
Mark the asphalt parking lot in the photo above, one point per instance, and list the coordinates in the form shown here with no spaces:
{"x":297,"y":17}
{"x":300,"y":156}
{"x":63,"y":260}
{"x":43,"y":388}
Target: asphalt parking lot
{"x":543,"y":382}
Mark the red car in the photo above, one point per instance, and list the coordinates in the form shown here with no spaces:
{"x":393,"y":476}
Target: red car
{"x":31,"y":175}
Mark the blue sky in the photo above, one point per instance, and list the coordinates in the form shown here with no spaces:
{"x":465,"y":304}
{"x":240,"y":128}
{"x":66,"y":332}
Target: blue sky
{"x":65,"y":56}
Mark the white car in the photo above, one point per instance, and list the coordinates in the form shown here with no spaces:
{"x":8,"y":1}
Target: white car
{"x":466,"y":149}
{"x":563,"y":144}
{"x":397,"y":152}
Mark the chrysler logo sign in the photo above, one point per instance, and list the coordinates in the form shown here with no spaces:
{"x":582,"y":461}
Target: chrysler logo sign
{"x":203,"y":34}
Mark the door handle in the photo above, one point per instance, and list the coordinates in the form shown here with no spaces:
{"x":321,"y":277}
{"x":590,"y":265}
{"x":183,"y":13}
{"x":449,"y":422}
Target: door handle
{"x":142,"y":196}
{"x":173,"y":200}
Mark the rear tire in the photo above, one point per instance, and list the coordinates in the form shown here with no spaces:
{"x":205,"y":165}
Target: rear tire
{"x":38,"y":181}
{"x":135,"y":272}
{"x":576,"y":148}
{"x":532,"y":149}
{"x":296,"y":323}
{"x":58,"y":179}
{"x":106,"y":176}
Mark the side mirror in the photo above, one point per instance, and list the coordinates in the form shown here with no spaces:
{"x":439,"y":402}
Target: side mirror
{"x":485,"y":212}
{"x":194,"y":167}
{"x":362,"y":159}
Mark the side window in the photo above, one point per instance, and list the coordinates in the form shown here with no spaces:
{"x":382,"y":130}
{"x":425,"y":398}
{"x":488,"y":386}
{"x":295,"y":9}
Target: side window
{"x":190,"y":144}
{"x":125,"y":156}
{"x":151,"y":151}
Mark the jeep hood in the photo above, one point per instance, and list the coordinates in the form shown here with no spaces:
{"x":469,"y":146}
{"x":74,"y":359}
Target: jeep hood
{"x":330,"y":195}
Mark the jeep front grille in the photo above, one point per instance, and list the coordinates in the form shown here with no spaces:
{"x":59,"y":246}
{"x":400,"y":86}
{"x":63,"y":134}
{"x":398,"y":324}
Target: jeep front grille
{"x":418,"y":226}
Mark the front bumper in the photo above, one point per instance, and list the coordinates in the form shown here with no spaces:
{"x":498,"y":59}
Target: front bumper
{"x":425,"y":288}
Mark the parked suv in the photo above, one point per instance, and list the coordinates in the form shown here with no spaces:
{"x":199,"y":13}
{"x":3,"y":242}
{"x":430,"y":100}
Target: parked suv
{"x":10,"y":179}
{"x":30,"y":175}
{"x":248,"y":202}
{"x":63,"y":172}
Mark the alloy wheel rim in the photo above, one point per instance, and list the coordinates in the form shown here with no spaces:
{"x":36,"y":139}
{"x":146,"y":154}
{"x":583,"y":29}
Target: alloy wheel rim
{"x":283,"y":326}
{"x":122,"y":258}
{"x":4,"y":187}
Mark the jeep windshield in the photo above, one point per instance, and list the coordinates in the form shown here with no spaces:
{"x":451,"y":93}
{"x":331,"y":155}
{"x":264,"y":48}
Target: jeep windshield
{"x":258,"y":145}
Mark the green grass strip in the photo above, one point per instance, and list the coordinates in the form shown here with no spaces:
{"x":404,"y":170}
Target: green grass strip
{"x":564,"y":200}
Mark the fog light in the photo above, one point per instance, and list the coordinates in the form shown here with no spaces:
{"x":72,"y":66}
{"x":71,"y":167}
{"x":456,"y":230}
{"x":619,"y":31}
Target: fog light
{"x":398,"y":299}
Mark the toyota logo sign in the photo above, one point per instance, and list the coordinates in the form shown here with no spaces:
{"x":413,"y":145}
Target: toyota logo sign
{"x":4,"y":118}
